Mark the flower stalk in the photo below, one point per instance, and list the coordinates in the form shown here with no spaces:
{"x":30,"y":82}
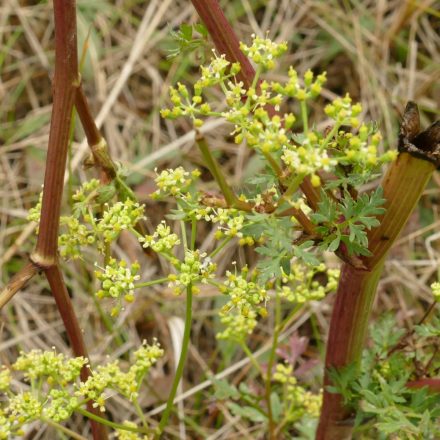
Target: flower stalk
{"x":231,"y":199}
{"x":181,"y":365}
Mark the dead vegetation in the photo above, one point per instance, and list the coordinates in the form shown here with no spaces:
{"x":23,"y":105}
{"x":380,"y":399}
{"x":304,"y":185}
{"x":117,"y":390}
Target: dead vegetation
{"x":383,"y":53}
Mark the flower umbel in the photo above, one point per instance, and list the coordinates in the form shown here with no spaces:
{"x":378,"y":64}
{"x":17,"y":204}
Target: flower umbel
{"x":435,"y":287}
{"x":118,"y":217}
{"x":195,"y":268}
{"x":118,"y":281}
{"x":300,"y":402}
{"x":174,"y":182}
{"x":162,"y":241}
{"x":263,"y":51}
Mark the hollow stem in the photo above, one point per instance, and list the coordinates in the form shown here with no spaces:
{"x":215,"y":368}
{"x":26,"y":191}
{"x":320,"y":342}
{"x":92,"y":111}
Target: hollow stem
{"x":65,"y":84}
{"x":432,"y":384}
{"x":403,"y":185}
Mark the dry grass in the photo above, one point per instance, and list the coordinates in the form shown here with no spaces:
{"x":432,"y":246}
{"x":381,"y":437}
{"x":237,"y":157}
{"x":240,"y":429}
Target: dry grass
{"x":384,"y":53}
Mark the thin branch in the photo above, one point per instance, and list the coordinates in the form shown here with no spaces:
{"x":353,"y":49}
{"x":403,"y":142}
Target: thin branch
{"x":213,"y":166}
{"x":403,"y":341}
{"x":433,"y":384}
{"x":96,"y":141}
{"x":17,"y":282}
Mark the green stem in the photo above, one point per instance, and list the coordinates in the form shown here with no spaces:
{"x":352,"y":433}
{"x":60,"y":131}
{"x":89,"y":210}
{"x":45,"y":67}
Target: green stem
{"x":217,"y":173}
{"x":289,"y":318}
{"x":193,"y":233}
{"x":220,"y":247}
{"x":274,"y":165}
{"x":184,"y":239}
{"x":251,"y":357}
{"x":286,"y":418}
{"x":108,"y":323}
{"x":330,"y":135}
{"x":181,"y":364}
{"x":63,"y":429}
{"x":108,"y":423}
{"x":151,"y":283}
{"x":125,"y":190}
{"x":293,"y":186}
{"x":276,"y":333}
{"x":254,"y":84}
{"x":140,"y":413}
{"x":304,"y":117}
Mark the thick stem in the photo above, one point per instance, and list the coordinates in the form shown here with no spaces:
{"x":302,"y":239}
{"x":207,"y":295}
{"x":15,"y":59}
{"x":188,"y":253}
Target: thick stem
{"x":66,"y":81}
{"x":65,"y":84}
{"x":65,"y":307}
{"x":433,"y":384}
{"x":311,"y":193}
{"x":354,"y":299}
{"x":91,"y":130}
{"x":403,"y":185}
{"x":224,"y":37}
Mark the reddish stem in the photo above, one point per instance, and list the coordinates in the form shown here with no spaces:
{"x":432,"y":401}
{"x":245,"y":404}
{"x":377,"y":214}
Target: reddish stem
{"x":224,"y":37}
{"x":64,"y":85}
{"x":97,"y":143}
{"x":403,"y":185}
{"x":17,"y":282}
{"x":348,"y":327}
{"x":433,"y":384}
